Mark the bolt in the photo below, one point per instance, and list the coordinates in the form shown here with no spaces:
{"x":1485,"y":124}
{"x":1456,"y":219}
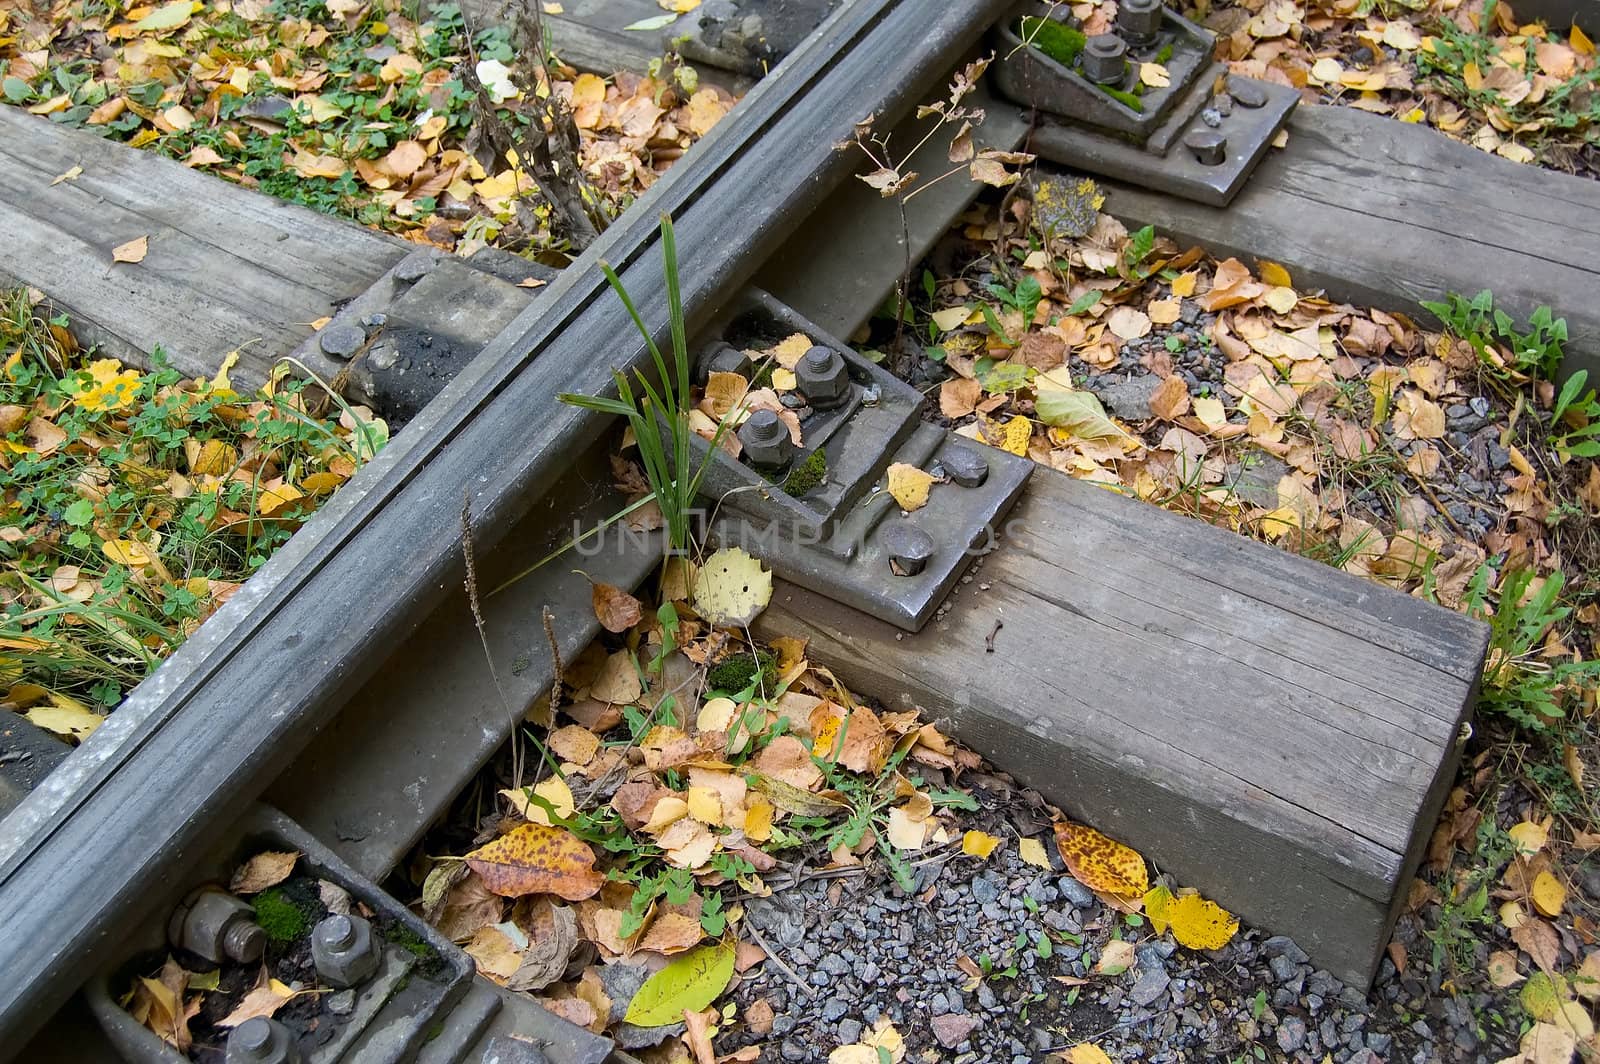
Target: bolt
{"x":414,"y":268}
{"x":341,"y":339}
{"x":214,"y":924}
{"x":766,"y":440}
{"x":908,"y":547}
{"x":1208,"y":146}
{"x":965,"y":466}
{"x":1246,"y":92}
{"x":823,"y":378}
{"x":260,"y":1040}
{"x":1104,"y":59}
{"x":724,"y":358}
{"x":345,"y":950}
{"x":1140,"y":20}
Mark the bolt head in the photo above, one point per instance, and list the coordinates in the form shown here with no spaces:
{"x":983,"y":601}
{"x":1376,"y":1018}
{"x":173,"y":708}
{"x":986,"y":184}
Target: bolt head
{"x":766,"y":440}
{"x":908,"y":547}
{"x":965,"y":466}
{"x":344,"y":950}
{"x":1104,"y":59}
{"x":337,"y":931}
{"x":341,"y":339}
{"x":1140,"y":19}
{"x":725,"y":358}
{"x":1208,"y":146}
{"x":823,"y":378}
{"x":253,"y":1034}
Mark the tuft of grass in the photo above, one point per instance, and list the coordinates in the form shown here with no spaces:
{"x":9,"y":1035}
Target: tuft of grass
{"x":1518,"y":681}
{"x":658,"y":412}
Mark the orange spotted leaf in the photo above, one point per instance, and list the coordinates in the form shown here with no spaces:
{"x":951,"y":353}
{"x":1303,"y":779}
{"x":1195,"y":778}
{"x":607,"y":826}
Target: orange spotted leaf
{"x":1100,"y":863}
{"x":537,"y":859}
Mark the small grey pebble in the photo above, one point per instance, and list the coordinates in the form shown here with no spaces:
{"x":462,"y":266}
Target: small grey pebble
{"x":342,"y":1003}
{"x":1211,"y":117}
{"x":849,"y":1031}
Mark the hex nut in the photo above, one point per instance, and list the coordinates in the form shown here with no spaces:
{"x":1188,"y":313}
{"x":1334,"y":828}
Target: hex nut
{"x":344,"y":950}
{"x":1104,"y":59}
{"x":823,"y":378}
{"x":261,"y":1040}
{"x":766,"y":440}
{"x":1208,"y":146}
{"x":724,"y":358}
{"x":1140,"y":20}
{"x":213,"y":924}
{"x":965,"y":466}
{"x":908,"y":547}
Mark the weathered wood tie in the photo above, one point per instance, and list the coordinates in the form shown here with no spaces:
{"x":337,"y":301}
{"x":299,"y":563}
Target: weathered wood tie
{"x":1274,"y":732}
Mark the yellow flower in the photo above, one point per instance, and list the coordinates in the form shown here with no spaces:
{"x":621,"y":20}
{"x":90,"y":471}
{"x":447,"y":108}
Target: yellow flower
{"x":113,"y":389}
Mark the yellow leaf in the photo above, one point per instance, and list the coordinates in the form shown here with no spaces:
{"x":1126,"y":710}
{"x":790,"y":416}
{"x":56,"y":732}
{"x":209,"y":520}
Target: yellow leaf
{"x":791,"y":350}
{"x":1195,"y":922}
{"x":1548,"y":894}
{"x":1528,"y":837}
{"x":705,"y":805}
{"x":951,"y":317}
{"x":537,"y":859}
{"x":1274,"y":274}
{"x":553,"y":790}
{"x":1014,"y":436}
{"x":679,"y":6}
{"x":1101,"y":863}
{"x":1580,"y":42}
{"x":132,"y":251}
{"x":909,"y":486}
{"x":1183,"y":284}
{"x":1032,"y":852}
{"x":66,"y":717}
{"x":758,"y":819}
{"x":275,"y":497}
{"x":1085,"y":1053}
{"x":731,"y":588}
{"x":1154,"y":75}
{"x":784,"y":380}
{"x":1472,"y":76}
{"x":1282,"y":299}
{"x":978,"y":843}
{"x":70,"y":175}
{"x":129,"y":552}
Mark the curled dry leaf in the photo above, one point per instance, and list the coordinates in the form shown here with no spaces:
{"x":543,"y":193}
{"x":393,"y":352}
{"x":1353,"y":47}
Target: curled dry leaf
{"x":537,"y":859}
{"x":616,"y":610}
{"x":264,"y":870}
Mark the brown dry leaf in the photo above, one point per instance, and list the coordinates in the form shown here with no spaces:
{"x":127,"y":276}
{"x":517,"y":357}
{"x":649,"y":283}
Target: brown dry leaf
{"x":687,"y":844}
{"x":959,"y":397}
{"x":1417,"y":418}
{"x":616,"y":610}
{"x":574,"y":744}
{"x":265,"y":869}
{"x":537,"y":859}
{"x":1101,"y":863}
{"x":787,"y":759}
{"x":1170,"y":400}
{"x":1116,"y":958}
{"x":758,"y":1016}
{"x":1538,"y":940}
{"x":133,"y":251}
{"x":856,"y":739}
{"x":618,"y":682}
{"x":1502,"y":969}
{"x":159,"y":1005}
{"x":1128,"y":323}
